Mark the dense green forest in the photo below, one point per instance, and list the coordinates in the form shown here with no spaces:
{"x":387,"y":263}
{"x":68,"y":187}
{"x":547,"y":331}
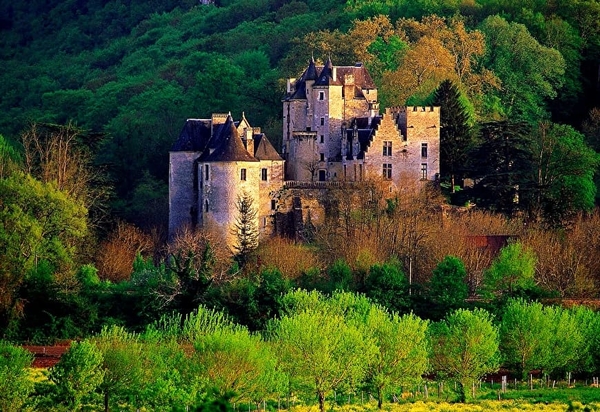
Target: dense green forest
{"x":94,"y":94}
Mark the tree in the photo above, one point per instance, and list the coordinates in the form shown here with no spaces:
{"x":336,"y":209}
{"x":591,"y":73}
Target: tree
{"x":15,"y":382}
{"x":512,"y":271}
{"x":502,"y":167}
{"x":388,"y":286}
{"x":401,"y":357}
{"x":537,"y":337}
{"x":456,"y":134}
{"x":448,"y":287}
{"x":78,"y":373}
{"x":10,"y":158}
{"x":122,"y":367}
{"x":564,"y":168}
{"x":318,"y":347}
{"x":62,"y":154}
{"x":465,"y":347}
{"x":530,"y":73}
{"x":37,"y":223}
{"x":238,"y":363}
{"x":245,"y":228}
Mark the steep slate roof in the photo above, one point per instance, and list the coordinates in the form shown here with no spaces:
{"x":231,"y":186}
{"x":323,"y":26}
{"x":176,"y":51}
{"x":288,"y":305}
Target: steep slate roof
{"x":326,"y":75}
{"x":194,"y":136}
{"x":263,"y":149}
{"x":230,"y":147}
{"x":323,"y":76}
{"x":365,"y":133}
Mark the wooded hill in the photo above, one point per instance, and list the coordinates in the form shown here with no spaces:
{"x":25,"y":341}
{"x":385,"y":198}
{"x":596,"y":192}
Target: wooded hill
{"x":134,"y":72}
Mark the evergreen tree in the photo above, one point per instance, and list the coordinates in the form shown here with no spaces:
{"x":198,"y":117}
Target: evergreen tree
{"x":245,"y":228}
{"x":456,"y":134}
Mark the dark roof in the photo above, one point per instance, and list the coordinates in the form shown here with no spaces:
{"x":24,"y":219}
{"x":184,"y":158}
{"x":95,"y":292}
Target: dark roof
{"x":326,"y":75}
{"x":311,"y":72}
{"x":194,"y":136}
{"x":323,"y":76}
{"x":229,"y":146}
{"x":365,"y":133}
{"x":263,"y":149}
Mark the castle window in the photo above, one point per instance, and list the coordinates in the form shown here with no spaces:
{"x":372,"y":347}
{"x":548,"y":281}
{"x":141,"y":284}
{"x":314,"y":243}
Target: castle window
{"x":322,"y":139}
{"x":243,"y":174}
{"x":206,"y":209}
{"x":322,"y":121}
{"x":424,"y":150}
{"x":206,"y":175}
{"x":263,"y":174}
{"x":387,"y":171}
{"x":273,"y":204}
{"x":387,"y":148}
{"x":321,"y":95}
{"x":264,"y":222}
{"x":423,"y":171}
{"x":322,"y":157}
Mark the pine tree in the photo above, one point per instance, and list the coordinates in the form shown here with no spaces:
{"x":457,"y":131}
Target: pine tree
{"x":456,"y":134}
{"x":245,"y":228}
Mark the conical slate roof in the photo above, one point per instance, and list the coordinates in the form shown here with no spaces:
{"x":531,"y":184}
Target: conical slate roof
{"x":230,"y":148}
{"x":326,"y":75}
{"x":263,"y":149}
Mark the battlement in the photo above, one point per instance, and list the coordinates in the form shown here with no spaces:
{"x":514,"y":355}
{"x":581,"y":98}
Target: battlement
{"x":219,"y":118}
{"x":413,"y":109}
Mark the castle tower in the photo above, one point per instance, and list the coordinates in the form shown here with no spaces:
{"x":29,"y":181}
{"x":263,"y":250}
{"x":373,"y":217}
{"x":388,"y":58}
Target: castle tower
{"x":317,"y":108}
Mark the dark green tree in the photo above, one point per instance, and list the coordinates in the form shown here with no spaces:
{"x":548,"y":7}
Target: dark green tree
{"x":502,"y":167}
{"x":245,"y":228}
{"x":448,"y":288}
{"x":387,"y":285}
{"x":457,"y":136}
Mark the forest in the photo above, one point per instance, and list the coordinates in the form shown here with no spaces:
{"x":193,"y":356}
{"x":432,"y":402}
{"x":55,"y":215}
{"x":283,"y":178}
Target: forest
{"x":94,"y":93}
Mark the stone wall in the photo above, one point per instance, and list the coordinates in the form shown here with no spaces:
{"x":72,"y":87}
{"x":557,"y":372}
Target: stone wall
{"x":183,"y":203}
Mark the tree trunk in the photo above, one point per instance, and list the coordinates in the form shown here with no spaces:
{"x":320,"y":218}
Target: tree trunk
{"x":106,"y":408}
{"x":321,"y":396}
{"x":379,"y":398}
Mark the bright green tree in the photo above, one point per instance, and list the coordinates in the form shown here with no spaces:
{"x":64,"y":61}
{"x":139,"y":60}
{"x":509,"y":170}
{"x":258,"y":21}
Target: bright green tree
{"x":322,"y":349}
{"x":122,"y":364}
{"x":402,"y":350}
{"x":513,"y":270}
{"x":239,"y":364}
{"x":78,"y":373}
{"x":524,"y":334}
{"x":465,"y":347}
{"x":15,"y":382}
{"x":530,"y":73}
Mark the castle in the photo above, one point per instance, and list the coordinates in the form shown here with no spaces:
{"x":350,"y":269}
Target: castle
{"x":332,"y":133}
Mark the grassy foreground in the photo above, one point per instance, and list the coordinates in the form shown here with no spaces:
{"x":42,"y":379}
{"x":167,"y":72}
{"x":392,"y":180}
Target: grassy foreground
{"x":482,"y":406}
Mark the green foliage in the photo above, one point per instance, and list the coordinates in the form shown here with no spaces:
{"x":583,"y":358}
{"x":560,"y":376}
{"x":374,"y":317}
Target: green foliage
{"x":564,"y":167}
{"x":530,"y":73}
{"x":15,"y":382}
{"x":511,"y":272}
{"x":245,"y":228}
{"x":402,"y":355}
{"x":237,"y":363}
{"x":121,"y":364}
{"x":448,"y":288}
{"x":340,"y":276}
{"x":387,"y":285}
{"x":465,"y":347}
{"x":78,"y":373}
{"x":457,"y":137}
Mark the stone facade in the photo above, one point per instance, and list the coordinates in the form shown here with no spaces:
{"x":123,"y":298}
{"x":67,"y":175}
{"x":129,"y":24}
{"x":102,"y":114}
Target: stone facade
{"x":332,"y":131}
{"x":332,"y":134}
